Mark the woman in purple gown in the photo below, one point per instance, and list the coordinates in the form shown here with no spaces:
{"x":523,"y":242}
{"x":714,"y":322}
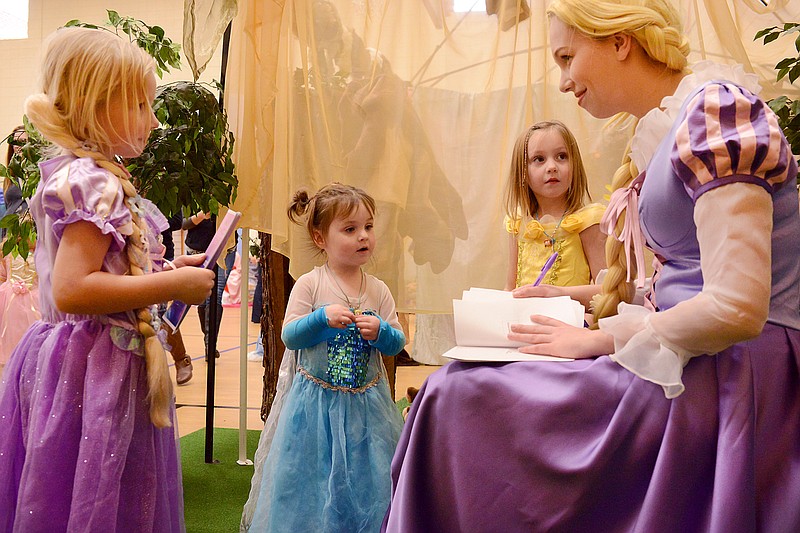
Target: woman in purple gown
{"x":692,"y":420}
{"x":86,"y":399}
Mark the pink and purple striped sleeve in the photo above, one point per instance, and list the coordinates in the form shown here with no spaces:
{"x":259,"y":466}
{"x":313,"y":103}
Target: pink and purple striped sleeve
{"x":729,"y":135}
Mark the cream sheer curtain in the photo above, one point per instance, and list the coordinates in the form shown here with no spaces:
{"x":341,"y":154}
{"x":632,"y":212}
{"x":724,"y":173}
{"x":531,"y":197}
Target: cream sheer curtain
{"x":204,"y":22}
{"x":420,"y":106}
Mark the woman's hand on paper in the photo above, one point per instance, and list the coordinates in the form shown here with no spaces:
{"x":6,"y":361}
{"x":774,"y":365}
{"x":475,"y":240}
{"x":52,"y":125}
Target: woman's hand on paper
{"x":548,"y":336}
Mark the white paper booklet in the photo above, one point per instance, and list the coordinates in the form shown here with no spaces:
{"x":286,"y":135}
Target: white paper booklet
{"x":483,"y":319}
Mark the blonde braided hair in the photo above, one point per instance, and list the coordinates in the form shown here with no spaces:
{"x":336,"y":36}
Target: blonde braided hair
{"x":656,"y":26}
{"x":136,"y":248}
{"x":84,"y":71}
{"x":616,"y":288}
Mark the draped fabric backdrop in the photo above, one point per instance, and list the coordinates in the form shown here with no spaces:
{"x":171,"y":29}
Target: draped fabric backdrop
{"x":204,"y":22}
{"x":420,"y":106}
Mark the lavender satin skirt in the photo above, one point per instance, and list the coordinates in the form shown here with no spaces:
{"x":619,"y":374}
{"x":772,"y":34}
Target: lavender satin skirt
{"x":77,"y":449}
{"x":587,"y":446}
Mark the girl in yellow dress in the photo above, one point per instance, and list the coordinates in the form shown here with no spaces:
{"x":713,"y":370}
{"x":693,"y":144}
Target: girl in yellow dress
{"x":545,"y":212}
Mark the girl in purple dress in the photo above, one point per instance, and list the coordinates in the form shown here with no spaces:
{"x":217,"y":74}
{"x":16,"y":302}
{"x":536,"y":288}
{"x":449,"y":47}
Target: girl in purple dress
{"x":86,"y":399}
{"x":692,"y":420}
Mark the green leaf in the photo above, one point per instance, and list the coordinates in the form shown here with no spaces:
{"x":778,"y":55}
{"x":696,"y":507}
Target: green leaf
{"x":794,"y":73}
{"x":8,"y":245}
{"x":8,"y":220}
{"x":24,"y":247}
{"x":157,"y":31}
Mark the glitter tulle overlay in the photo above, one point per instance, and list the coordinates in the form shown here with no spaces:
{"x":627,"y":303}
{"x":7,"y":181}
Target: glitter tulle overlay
{"x":82,"y":455}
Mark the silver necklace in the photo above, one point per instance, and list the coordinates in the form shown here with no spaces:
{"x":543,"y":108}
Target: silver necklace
{"x":551,"y":239}
{"x":357,"y":307}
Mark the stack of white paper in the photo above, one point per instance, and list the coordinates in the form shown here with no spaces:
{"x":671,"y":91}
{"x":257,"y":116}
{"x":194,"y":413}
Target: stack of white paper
{"x":483,"y":319}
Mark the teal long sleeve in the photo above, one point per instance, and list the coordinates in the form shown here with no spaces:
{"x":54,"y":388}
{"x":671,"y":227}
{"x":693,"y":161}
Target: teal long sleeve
{"x":390,"y":340}
{"x":307,"y":331}
{"x":313,"y":329}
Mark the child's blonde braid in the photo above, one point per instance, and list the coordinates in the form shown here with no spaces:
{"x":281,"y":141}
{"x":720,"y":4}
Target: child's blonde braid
{"x":158,"y":381}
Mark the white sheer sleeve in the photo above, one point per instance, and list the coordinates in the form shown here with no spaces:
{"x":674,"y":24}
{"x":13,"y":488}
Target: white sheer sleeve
{"x":302,"y":297}
{"x":734,"y":226}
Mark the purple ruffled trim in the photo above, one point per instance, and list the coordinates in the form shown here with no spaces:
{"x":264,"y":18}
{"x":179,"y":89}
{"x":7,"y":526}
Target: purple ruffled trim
{"x":105,"y":226}
{"x":155,"y":219}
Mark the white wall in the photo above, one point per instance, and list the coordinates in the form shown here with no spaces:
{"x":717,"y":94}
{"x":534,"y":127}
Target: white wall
{"x":22,"y":57}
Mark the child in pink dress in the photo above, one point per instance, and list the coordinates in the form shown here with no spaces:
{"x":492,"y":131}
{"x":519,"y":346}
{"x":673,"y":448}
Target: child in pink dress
{"x":19,"y":301}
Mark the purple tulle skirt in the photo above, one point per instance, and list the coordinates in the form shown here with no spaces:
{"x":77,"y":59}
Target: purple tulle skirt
{"x":77,"y":449}
{"x":587,"y":446}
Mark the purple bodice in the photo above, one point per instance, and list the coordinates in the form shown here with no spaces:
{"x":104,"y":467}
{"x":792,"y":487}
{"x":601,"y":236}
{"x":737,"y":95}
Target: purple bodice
{"x":669,"y":224}
{"x":73,"y":190}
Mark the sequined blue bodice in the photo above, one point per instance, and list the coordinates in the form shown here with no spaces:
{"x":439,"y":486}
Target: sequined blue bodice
{"x":345,"y":360}
{"x":348,"y":355}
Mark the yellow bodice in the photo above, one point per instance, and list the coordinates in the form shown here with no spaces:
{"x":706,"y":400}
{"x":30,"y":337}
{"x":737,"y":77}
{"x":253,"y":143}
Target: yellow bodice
{"x":534,"y":247}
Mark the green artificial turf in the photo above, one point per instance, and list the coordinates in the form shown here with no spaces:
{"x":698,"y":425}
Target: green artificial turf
{"x":214,"y":493}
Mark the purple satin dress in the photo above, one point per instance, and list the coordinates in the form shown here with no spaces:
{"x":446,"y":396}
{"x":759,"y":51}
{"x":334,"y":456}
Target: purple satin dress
{"x":587,"y":445}
{"x":77,"y":449}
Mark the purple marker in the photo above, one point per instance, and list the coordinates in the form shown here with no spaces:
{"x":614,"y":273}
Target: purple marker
{"x":546,"y":268}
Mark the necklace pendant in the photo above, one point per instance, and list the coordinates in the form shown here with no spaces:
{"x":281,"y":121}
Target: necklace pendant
{"x":357,"y":311}
{"x":549,"y":243}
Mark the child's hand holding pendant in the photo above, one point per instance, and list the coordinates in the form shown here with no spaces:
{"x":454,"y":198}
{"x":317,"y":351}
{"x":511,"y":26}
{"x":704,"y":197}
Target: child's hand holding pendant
{"x":368,"y":326}
{"x":339,"y":316}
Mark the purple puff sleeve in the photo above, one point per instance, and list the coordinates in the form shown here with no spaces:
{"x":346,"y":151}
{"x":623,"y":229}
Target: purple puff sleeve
{"x":729,"y":135}
{"x":87,"y":192}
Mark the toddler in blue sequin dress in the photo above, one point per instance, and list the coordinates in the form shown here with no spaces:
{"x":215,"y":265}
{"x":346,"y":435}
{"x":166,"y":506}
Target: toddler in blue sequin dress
{"x":324,"y":455}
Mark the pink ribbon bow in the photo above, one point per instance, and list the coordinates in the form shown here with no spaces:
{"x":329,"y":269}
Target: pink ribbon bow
{"x":626,"y":200}
{"x":19,"y":287}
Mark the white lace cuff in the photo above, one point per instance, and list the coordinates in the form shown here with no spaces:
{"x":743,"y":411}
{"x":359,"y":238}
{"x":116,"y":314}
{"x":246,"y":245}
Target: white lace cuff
{"x":637,"y":349}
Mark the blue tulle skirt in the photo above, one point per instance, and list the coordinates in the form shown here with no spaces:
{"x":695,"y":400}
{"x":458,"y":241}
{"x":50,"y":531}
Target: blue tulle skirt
{"x":327,"y":467}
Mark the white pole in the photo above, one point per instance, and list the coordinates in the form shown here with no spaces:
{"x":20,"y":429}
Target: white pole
{"x":243,"y":324}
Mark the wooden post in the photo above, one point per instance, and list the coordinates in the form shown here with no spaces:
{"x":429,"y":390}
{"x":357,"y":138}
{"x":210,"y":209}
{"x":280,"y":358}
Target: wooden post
{"x":276,"y":285}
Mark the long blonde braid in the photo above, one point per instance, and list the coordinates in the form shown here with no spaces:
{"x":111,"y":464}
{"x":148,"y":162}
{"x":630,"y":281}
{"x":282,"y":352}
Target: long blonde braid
{"x":616,"y":288}
{"x":136,"y":248}
{"x":83,"y":71}
{"x":656,"y":26}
